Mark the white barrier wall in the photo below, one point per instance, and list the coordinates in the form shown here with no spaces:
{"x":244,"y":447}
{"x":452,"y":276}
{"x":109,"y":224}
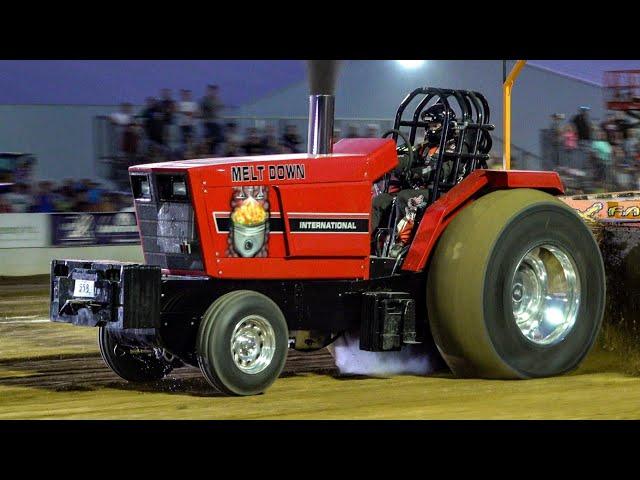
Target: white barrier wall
{"x":29,"y":241}
{"x":18,"y":262}
{"x":19,"y":230}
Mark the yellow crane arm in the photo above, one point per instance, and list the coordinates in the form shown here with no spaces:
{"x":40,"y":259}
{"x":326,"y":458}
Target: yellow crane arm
{"x":506,"y":96}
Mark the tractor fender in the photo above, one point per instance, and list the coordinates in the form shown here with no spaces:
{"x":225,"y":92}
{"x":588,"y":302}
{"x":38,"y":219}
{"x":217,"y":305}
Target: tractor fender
{"x":478,"y":183}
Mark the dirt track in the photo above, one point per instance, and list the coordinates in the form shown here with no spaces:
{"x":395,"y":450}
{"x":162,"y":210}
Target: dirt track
{"x":78,"y":385}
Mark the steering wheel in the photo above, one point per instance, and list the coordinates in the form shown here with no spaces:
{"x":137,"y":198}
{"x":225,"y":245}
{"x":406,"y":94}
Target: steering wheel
{"x":406,"y":169}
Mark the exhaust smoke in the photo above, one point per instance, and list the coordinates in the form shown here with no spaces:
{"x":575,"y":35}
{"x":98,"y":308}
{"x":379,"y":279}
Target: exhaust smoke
{"x":418,"y":359}
{"x":322,"y":76}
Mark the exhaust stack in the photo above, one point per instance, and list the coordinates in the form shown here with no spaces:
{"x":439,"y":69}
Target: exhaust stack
{"x":322,"y":82}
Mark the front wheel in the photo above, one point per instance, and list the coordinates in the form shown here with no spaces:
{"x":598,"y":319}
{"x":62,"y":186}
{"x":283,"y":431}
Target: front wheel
{"x":516,"y":287}
{"x":133,"y":367}
{"x":242,"y":343}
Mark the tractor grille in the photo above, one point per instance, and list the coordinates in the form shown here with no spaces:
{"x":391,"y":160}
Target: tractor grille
{"x":168,"y":233}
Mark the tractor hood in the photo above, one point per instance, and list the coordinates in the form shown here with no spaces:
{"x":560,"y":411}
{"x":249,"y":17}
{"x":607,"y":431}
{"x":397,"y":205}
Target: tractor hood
{"x":269,"y":216}
{"x":352,"y":160}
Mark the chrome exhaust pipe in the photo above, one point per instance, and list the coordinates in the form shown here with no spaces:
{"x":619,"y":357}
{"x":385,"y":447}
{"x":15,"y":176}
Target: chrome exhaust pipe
{"x":321,"y":109}
{"x":322,"y":80}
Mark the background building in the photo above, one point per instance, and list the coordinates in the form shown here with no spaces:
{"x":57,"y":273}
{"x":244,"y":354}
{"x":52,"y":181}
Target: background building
{"x":63,"y":137}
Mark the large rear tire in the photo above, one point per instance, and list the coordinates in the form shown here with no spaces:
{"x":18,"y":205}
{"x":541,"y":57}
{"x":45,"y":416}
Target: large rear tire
{"x":516,"y":287}
{"x":242,"y":343}
{"x":133,"y":367}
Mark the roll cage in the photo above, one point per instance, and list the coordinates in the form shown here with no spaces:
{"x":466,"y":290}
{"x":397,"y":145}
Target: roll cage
{"x":473,"y":125}
{"x":473,"y":131}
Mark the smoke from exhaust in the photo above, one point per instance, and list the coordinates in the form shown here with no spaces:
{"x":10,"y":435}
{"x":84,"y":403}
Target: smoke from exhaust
{"x":322,"y":76}
{"x":416,"y":359}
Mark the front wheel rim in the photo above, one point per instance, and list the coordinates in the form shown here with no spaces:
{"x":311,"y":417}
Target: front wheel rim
{"x":253,"y":344}
{"x":545,"y":294}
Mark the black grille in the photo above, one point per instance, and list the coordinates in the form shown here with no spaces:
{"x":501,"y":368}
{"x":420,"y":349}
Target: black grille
{"x":169,"y":234}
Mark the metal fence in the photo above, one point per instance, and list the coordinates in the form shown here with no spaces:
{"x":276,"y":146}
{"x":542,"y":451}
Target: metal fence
{"x":107,"y":139}
{"x":587,"y":169}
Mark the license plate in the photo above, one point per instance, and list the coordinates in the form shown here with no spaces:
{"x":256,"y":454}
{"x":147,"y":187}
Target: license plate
{"x":84,"y":288}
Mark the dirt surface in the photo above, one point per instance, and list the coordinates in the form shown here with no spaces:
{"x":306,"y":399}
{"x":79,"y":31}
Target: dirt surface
{"x":54,"y":371}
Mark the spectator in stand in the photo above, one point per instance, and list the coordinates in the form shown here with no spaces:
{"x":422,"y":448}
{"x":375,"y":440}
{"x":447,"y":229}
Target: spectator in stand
{"x":232,"y":141}
{"x":253,"y":143}
{"x":127,"y":135}
{"x":94,"y":192}
{"x":582,"y":122}
{"x":18,"y":198}
{"x":569,"y":137}
{"x":81,"y":203}
{"x":210,"y":107}
{"x":272,"y":147}
{"x":270,"y":141}
{"x":44,"y":200}
{"x":569,"y":142}
{"x":203,"y":149}
{"x":631,"y":143}
{"x":168,"y":108}
{"x":372,"y":131}
{"x":623,"y":124}
{"x":232,"y":149}
{"x":124,"y":116}
{"x":602,"y":150}
{"x":231,"y":133}
{"x":145,"y":114}
{"x":188,"y":150}
{"x":352,"y":131}
{"x":187,"y":110}
{"x":611,"y":129}
{"x":23,"y":172}
{"x":167,"y":104}
{"x":132,"y":141}
{"x":154,"y":122}
{"x":65,"y":196}
{"x":290,"y":139}
{"x":556,"y":124}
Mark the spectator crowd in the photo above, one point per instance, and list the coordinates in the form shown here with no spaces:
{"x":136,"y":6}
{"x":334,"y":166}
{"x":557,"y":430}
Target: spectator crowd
{"x":168,"y":129}
{"x":595,"y":156}
{"x":68,"y":196}
{"x":164,"y":129}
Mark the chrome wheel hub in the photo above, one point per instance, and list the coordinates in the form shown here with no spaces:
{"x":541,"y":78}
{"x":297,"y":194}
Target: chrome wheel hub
{"x":253,"y":344}
{"x":545,"y":294}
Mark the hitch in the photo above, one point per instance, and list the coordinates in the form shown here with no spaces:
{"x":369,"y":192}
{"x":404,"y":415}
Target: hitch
{"x":388,"y":321}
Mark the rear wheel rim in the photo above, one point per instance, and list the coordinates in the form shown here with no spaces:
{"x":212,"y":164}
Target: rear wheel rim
{"x":545,"y":294}
{"x":253,"y":344}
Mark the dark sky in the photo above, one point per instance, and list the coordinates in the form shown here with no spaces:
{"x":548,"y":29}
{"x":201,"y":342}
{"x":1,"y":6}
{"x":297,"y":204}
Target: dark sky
{"x":591,"y":70}
{"x":241,"y":81}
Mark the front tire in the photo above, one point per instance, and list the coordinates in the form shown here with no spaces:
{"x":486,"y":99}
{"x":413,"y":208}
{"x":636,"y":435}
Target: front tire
{"x":516,"y":288}
{"x":242,"y":343}
{"x":138,"y":367}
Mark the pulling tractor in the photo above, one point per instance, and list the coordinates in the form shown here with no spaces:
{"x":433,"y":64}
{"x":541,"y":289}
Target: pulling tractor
{"x":248,"y":257}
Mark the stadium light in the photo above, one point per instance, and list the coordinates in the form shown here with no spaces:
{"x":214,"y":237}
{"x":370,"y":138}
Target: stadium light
{"x":411,"y":64}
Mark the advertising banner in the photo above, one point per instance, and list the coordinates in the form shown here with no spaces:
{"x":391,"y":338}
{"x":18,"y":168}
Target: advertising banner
{"x":614,"y":209}
{"x":94,"y":229}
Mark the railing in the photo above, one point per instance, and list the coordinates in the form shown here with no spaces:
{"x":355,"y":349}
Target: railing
{"x":107,"y":152}
{"x":586,"y":170}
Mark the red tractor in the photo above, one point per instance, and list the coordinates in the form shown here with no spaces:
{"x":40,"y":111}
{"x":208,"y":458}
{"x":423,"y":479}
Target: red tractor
{"x":247,"y":257}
